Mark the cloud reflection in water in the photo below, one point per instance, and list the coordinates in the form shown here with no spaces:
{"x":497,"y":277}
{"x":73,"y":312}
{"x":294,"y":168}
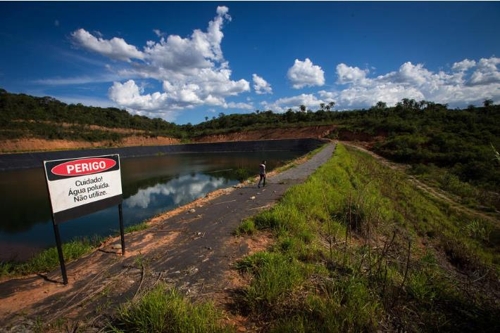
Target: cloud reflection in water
{"x":175,"y":192}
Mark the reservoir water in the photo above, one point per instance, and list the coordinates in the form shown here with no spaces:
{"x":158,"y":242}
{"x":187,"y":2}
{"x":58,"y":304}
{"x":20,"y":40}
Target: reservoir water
{"x":151,"y":185}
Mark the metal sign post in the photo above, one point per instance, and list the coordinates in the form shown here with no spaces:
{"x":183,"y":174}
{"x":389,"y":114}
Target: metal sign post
{"x":60,"y":252}
{"x":122,"y":236}
{"x":81,"y":186}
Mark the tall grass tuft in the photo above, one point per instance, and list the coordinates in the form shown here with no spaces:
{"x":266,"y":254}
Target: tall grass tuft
{"x":163,"y":310}
{"x":276,"y":276}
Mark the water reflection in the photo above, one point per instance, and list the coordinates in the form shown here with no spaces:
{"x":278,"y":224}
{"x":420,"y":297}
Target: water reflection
{"x":151,"y":185}
{"x":181,"y":190}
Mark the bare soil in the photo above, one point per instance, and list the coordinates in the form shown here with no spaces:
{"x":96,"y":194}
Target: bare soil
{"x":34,"y":144}
{"x":316,"y":132}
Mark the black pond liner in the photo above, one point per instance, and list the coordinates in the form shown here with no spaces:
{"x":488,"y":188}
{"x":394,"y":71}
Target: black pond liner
{"x":19,"y":161}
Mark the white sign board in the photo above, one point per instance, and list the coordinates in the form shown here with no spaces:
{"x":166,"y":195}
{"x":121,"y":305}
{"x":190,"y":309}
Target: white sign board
{"x":83,"y":185}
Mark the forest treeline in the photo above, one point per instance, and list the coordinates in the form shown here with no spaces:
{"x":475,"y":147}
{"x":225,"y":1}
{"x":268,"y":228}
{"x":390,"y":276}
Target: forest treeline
{"x":421,"y":133}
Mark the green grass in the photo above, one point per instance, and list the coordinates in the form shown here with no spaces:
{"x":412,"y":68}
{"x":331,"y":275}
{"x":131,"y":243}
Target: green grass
{"x":359,"y":248}
{"x":136,"y":227}
{"x":277,"y":275}
{"x":49,"y":259}
{"x":463,"y":192}
{"x":163,"y":310}
{"x":247,"y":227}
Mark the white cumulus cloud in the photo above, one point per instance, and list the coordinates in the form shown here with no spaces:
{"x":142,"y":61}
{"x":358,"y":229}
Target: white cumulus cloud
{"x":310,"y":101}
{"x":347,"y":74}
{"x":241,"y":106}
{"x":115,"y":48}
{"x":467,"y":82}
{"x":129,"y":94}
{"x":261,"y":86}
{"x":487,"y":72}
{"x":463,"y":65}
{"x":192,"y":70}
{"x":305,"y":73}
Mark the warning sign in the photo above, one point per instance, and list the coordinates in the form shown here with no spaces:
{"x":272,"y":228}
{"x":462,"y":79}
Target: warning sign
{"x":82,"y":186}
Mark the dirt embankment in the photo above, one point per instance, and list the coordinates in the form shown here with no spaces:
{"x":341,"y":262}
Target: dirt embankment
{"x":317,"y":132}
{"x":33,"y":144}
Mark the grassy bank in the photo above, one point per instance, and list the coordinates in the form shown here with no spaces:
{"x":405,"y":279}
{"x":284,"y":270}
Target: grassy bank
{"x":360,"y":249}
{"x":48,"y":259}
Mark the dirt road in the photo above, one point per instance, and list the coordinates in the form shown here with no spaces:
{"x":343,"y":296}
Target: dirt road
{"x":193,"y":250}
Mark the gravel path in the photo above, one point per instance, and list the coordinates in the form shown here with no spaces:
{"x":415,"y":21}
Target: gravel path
{"x":302,"y":171}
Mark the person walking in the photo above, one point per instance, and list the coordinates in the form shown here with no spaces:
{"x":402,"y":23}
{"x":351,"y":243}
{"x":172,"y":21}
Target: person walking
{"x":262,"y":174}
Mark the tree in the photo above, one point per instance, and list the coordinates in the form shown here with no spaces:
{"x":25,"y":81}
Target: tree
{"x":409,"y":104}
{"x":422,"y":104}
{"x":381,"y":105}
{"x":488,"y":102}
{"x":303,"y":108}
{"x":331,"y":104}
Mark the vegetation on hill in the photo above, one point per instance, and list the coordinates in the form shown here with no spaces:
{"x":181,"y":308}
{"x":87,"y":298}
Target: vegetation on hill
{"x":48,"y":118}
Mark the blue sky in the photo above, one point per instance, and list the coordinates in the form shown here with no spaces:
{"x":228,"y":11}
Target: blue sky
{"x":189,"y":61}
